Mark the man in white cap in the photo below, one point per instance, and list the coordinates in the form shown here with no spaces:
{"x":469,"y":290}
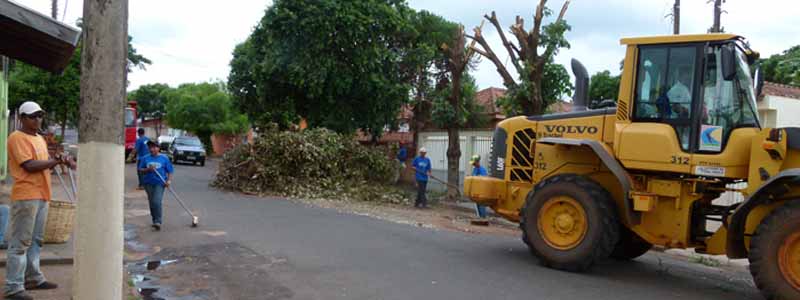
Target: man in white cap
{"x":29,"y":164}
{"x":422,"y":166}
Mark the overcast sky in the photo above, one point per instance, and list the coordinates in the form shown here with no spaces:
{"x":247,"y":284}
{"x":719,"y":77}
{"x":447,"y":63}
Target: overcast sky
{"x":192,"y":40}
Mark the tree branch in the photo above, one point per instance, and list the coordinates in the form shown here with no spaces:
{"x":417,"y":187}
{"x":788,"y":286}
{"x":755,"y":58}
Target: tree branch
{"x":548,"y":52}
{"x":471,"y":49}
{"x":506,"y":43}
{"x":537,"y":26}
{"x":508,"y":80}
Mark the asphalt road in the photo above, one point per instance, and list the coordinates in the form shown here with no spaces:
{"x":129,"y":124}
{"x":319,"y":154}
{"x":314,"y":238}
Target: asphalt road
{"x":288,"y":250}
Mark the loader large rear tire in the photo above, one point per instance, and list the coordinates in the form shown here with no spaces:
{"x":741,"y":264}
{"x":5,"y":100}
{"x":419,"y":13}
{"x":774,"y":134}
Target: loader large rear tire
{"x":569,"y":222}
{"x":630,"y":245}
{"x":775,"y":253}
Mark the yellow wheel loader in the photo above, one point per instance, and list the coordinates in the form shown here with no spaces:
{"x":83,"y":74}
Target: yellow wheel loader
{"x":613,"y":181}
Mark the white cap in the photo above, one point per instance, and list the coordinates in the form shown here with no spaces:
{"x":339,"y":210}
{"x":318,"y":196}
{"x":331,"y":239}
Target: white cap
{"x":29,"y":107}
{"x":421,"y":150}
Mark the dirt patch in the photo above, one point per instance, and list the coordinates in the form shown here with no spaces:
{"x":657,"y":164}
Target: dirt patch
{"x":440,"y":216}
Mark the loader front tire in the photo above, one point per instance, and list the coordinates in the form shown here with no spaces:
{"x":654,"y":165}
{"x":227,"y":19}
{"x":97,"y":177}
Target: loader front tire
{"x":569,"y":223}
{"x":630,"y":245}
{"x":775,"y":253}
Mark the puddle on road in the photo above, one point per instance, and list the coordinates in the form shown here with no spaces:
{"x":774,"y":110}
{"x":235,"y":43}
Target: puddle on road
{"x":155,"y":264}
{"x":148,"y":285}
{"x":130,"y":240}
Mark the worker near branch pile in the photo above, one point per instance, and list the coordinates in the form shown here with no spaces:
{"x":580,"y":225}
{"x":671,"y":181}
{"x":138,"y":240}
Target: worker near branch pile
{"x":422,"y":168}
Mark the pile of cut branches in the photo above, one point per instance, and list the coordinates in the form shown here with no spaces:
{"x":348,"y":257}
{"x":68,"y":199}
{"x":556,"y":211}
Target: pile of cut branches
{"x":310,"y":164}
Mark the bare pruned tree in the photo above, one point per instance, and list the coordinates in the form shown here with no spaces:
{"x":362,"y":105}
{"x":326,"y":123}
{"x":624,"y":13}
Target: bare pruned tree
{"x":459,"y":57}
{"x":533,"y":49}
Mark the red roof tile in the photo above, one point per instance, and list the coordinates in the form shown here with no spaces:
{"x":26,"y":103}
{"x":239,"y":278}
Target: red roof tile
{"x":781,"y":90}
{"x":488,"y":99}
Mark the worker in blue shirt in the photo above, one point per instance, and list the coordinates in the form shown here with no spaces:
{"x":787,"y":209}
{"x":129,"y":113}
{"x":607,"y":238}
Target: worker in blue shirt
{"x":478,"y":170}
{"x":153,"y":183}
{"x":140,"y":150}
{"x":402,"y":154}
{"x":422,"y":169}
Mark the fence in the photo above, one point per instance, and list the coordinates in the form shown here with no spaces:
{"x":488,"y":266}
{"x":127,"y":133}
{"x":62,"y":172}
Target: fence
{"x":470,"y":143}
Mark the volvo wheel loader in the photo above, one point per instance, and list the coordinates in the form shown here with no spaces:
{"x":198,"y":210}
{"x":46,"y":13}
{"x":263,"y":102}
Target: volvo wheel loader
{"x":612,"y":182}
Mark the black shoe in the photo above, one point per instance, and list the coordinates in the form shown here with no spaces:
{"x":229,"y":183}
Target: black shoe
{"x":157,"y":227}
{"x":3,"y":246}
{"x":47,"y":285}
{"x":22,"y":295}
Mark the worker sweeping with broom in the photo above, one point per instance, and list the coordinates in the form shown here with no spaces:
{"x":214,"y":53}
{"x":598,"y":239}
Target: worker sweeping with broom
{"x":155,"y":167}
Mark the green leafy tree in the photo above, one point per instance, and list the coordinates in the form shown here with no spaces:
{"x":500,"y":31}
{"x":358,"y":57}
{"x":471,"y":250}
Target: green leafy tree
{"x":426,"y":63}
{"x":204,"y":109}
{"x":603,"y":86}
{"x":473,"y":115}
{"x":783,"y":68}
{"x":151,"y":102}
{"x":59,"y":94}
{"x":458,"y":56}
{"x":339,"y":64}
{"x":530,"y":57}
{"x":555,"y":84}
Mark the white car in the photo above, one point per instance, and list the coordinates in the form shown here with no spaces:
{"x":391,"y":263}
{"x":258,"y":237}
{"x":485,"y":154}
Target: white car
{"x":165,"y":141}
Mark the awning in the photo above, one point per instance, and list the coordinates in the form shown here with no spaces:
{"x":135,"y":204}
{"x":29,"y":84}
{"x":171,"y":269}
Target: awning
{"x":34,"y":38}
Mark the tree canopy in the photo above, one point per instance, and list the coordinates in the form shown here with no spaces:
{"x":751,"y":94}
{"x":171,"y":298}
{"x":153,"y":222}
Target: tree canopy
{"x":473,"y":114}
{"x":151,"y":100}
{"x":783,"y":68}
{"x":58,"y":94}
{"x":603,"y":86}
{"x":344,"y":65}
{"x":204,"y":109}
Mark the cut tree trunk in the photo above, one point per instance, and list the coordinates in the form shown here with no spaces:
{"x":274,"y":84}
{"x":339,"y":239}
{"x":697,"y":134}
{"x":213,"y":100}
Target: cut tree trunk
{"x":453,"y":157}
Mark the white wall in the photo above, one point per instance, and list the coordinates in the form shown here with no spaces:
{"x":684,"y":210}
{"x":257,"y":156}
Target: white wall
{"x":472,"y":142}
{"x":776,"y":111}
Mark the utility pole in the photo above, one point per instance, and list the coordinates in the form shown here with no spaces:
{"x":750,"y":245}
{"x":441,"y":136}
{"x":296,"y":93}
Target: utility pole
{"x":676,"y":17}
{"x":717,"y":13}
{"x":99,"y":242}
{"x":54,"y":10}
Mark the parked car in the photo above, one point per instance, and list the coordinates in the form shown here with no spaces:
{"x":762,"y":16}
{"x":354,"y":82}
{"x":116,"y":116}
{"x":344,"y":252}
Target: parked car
{"x":188,"y":149}
{"x":165,"y":142}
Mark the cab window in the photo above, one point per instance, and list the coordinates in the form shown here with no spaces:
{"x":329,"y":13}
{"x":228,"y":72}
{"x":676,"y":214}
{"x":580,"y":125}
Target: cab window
{"x":727,"y":104}
{"x":665,"y":88}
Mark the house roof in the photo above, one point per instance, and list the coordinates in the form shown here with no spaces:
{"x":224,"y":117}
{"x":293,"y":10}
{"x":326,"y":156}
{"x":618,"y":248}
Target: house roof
{"x":780,"y":90}
{"x":488,"y":99}
{"x":34,"y":38}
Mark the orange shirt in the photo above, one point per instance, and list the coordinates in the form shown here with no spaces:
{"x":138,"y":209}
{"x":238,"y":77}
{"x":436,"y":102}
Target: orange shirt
{"x":23,"y":147}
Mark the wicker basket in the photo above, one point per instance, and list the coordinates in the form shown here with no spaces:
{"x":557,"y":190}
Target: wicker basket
{"x":60,"y":219}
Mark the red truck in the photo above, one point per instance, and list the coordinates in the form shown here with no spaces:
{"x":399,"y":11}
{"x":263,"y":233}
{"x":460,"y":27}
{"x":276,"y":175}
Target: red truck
{"x":130,"y":127}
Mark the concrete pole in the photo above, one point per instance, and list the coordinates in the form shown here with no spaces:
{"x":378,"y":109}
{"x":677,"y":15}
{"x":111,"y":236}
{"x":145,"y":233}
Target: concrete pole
{"x":99,"y":241}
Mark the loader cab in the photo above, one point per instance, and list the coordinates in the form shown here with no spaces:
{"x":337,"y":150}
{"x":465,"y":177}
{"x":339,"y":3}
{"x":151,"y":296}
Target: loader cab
{"x":691,"y":96}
